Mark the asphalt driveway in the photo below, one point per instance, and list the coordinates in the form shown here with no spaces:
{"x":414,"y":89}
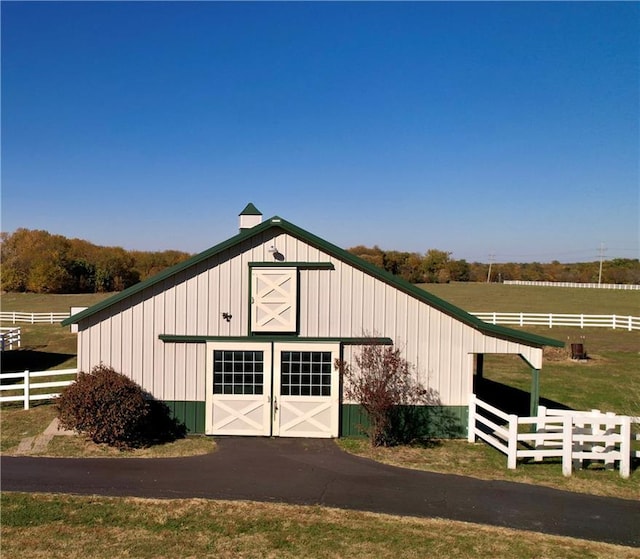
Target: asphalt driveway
{"x":316,"y":471}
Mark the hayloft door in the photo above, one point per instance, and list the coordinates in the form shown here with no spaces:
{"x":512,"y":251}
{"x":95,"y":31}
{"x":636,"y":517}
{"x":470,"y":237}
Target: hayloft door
{"x":274,"y":296}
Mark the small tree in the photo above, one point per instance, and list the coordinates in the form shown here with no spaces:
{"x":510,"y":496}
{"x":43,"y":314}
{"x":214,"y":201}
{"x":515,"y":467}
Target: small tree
{"x":382,"y":381}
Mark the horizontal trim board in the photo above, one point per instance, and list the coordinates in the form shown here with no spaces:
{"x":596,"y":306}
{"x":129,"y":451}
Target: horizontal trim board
{"x":169,"y":338}
{"x":298,"y":265}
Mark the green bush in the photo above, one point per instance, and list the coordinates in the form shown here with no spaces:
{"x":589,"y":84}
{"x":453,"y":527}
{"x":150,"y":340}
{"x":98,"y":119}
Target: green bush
{"x":106,"y":406}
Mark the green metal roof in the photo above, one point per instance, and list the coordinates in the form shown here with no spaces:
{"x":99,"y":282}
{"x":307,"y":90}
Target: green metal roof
{"x":250,"y":209}
{"x":341,"y":254}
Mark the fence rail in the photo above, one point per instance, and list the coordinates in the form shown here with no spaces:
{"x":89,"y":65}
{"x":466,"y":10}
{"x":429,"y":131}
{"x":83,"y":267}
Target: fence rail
{"x":614,"y":321}
{"x":26,"y":387}
{"x":571,"y":435}
{"x":623,"y":286}
{"x":9,"y":337}
{"x":33,"y":317}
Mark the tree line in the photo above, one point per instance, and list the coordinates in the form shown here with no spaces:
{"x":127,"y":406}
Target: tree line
{"x":40,"y":262}
{"x":437,"y":266}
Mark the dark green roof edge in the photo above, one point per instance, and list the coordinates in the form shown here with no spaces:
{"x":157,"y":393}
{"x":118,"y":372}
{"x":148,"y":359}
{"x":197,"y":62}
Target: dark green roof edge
{"x":250,"y":209}
{"x":341,"y":254}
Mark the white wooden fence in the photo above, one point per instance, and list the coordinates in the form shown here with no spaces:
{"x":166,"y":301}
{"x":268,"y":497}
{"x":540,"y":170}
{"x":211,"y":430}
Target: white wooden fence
{"x":33,"y":317}
{"x":624,"y":286}
{"x":550,"y":320}
{"x":514,"y":318}
{"x":9,"y":337}
{"x":571,"y":435}
{"x":26,"y":388}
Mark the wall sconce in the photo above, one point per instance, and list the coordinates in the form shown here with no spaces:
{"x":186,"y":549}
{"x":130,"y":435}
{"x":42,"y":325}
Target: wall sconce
{"x":227,"y":316}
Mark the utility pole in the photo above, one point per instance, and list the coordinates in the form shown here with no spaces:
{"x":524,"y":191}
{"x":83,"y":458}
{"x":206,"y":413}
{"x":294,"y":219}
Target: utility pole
{"x":601,"y":252}
{"x":491,"y":257}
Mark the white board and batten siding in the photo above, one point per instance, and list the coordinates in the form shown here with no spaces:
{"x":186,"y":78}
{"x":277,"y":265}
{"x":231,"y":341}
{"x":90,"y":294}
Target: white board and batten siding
{"x":341,"y":302}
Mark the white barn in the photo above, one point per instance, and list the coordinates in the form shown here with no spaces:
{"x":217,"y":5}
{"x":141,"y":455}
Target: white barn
{"x":241,"y":339}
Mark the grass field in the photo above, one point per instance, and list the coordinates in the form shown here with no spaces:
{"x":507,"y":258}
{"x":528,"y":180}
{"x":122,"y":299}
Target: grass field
{"x":72,"y":527}
{"x":44,"y":346}
{"x":43,"y":302}
{"x":498,"y":297}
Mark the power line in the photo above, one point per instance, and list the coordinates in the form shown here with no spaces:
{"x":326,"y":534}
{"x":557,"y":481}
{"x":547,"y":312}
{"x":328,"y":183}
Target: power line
{"x":491,"y":257}
{"x":601,"y":254}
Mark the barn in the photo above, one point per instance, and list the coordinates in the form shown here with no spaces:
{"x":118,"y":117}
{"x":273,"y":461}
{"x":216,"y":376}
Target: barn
{"x":241,"y":339}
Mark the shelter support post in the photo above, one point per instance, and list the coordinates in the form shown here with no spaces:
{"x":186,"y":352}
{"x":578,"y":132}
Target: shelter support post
{"x":535,"y":392}
{"x":479,"y":365}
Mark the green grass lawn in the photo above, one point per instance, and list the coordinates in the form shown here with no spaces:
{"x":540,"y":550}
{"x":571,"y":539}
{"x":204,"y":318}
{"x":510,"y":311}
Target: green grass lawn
{"x":498,"y":297}
{"x":44,"y":346}
{"x":74,"y":527}
{"x":45,"y":302}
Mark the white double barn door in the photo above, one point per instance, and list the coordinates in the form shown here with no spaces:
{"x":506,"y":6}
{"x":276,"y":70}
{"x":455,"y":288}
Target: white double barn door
{"x":272,"y":389}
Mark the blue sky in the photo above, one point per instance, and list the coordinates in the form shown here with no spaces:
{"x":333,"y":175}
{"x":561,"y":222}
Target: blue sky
{"x":509,"y":129}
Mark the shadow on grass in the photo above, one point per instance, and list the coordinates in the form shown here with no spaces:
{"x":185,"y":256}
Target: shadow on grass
{"x":508,"y":399}
{"x":30,"y":359}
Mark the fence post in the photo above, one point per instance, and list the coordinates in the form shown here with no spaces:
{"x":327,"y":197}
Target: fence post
{"x":26,"y":389}
{"x":567,"y":444}
{"x":512,"y":455}
{"x":609,"y":463}
{"x":471,"y":435}
{"x":625,"y":446}
{"x":614,"y":321}
{"x":540,"y":426}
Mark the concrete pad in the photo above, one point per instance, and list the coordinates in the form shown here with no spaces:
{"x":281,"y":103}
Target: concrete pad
{"x":54,"y":429}
{"x":25,"y":446}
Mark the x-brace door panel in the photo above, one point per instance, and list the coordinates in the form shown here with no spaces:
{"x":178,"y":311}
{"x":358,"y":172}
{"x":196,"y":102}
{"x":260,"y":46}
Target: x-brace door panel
{"x":274,"y":296}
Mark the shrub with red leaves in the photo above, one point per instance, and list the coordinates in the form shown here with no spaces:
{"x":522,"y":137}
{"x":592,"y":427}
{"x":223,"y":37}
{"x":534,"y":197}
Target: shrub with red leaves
{"x":106,"y":406}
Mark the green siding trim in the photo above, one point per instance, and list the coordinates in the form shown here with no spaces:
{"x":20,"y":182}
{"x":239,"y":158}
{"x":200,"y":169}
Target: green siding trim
{"x":169,"y":338}
{"x":276,"y":223}
{"x":189,"y":413}
{"x":435,"y":422}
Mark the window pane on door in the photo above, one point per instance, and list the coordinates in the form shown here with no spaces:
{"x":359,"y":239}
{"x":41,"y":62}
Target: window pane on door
{"x":238,"y":372}
{"x":306,"y":373}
